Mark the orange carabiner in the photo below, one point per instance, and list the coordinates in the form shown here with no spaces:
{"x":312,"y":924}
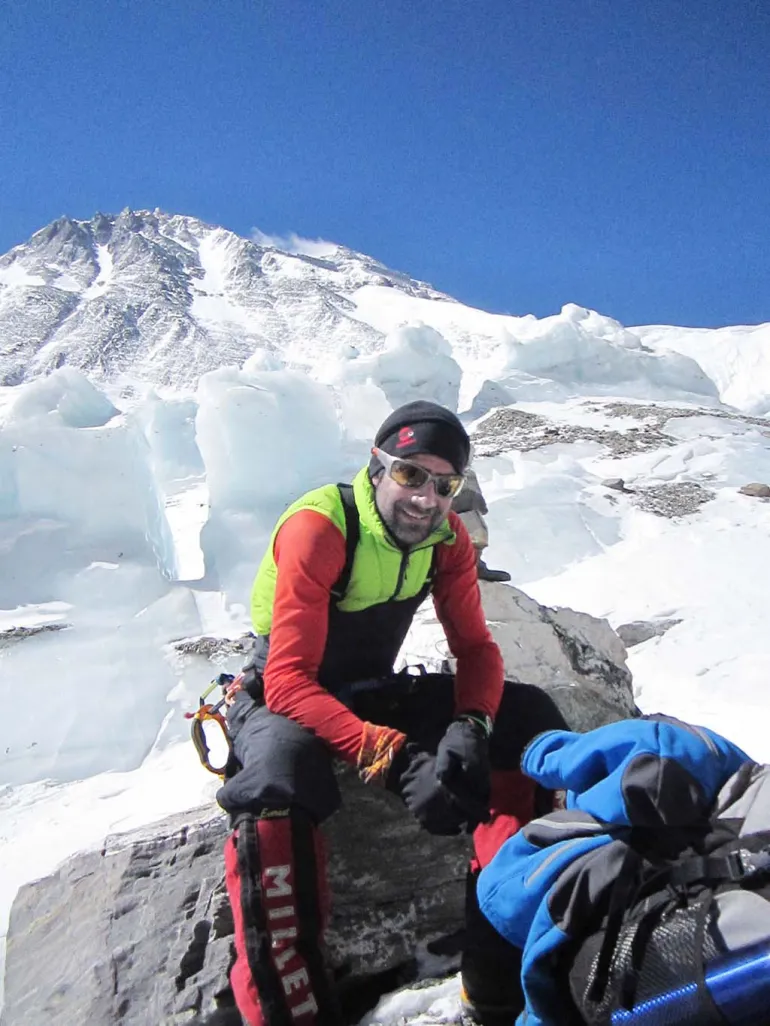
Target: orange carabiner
{"x":208,"y":712}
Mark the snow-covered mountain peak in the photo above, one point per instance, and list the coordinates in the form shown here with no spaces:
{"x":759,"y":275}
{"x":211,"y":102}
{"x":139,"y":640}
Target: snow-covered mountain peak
{"x":168,"y":297}
{"x":145,"y":296}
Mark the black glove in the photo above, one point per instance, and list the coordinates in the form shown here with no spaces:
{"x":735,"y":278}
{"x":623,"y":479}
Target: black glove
{"x":462,"y":765}
{"x":253,"y":683}
{"x":412,"y":775}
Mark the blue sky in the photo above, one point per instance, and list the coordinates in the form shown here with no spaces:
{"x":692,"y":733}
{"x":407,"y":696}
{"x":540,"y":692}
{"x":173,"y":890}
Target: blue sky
{"x":518,"y":154}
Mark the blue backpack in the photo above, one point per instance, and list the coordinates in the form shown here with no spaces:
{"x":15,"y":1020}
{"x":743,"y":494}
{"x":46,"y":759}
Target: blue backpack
{"x":685,"y":938}
{"x":658,"y":866}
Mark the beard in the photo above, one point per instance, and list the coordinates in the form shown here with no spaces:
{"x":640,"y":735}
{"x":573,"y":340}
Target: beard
{"x":408,"y":529}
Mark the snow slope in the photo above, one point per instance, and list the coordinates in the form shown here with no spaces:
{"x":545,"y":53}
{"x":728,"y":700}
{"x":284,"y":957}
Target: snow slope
{"x":736,"y":359}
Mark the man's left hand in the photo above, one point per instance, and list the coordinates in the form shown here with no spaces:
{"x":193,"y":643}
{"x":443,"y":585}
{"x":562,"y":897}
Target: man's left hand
{"x":462,"y":765}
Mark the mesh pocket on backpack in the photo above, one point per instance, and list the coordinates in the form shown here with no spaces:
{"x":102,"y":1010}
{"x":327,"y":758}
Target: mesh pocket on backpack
{"x":667,"y":984}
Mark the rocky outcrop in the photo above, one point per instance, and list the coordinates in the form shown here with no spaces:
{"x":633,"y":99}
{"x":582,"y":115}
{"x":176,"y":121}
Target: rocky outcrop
{"x":512,"y":428}
{"x":677,"y":499}
{"x":140,"y":933}
{"x":639,"y":631}
{"x":209,"y":647}
{"x":617,"y":484}
{"x":578,"y":659}
{"x":672,"y":499}
{"x":14,"y":634}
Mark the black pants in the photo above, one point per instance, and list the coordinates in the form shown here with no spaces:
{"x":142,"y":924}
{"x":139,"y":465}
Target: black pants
{"x":285,"y":764}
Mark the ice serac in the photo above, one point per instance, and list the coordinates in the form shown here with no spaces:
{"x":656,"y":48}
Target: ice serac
{"x":416,"y":362}
{"x":579,"y":351}
{"x":69,"y":457}
{"x":737,"y":359}
{"x":265,"y":437}
{"x":84,"y":535}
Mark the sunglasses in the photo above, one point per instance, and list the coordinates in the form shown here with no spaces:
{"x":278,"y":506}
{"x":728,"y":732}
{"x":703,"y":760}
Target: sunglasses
{"x":412,"y":475}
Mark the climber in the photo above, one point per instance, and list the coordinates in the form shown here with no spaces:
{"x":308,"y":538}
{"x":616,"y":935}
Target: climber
{"x":346,"y":569}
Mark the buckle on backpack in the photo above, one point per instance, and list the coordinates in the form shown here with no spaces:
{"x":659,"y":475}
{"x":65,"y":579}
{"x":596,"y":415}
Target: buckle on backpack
{"x":744,"y":864}
{"x":738,"y":865}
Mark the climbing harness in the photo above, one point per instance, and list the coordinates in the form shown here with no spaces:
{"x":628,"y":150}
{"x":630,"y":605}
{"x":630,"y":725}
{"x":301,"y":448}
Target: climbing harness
{"x":210,"y":711}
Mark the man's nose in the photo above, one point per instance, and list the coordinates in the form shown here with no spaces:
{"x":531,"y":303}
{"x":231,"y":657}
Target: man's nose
{"x":426,"y":496}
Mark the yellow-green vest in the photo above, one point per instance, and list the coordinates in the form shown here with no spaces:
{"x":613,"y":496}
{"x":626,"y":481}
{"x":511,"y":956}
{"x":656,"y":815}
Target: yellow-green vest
{"x":386,"y":584}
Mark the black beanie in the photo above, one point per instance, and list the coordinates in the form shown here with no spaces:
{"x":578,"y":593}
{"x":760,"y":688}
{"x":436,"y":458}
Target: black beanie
{"x":424,"y":427}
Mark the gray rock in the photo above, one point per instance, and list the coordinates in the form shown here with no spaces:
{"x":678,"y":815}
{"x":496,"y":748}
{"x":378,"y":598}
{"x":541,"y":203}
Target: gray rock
{"x":507,"y":429}
{"x":756,"y":489}
{"x":210,"y":648}
{"x":616,"y":483}
{"x":477,"y":528}
{"x":678,"y":499}
{"x":140,"y":933}
{"x":578,"y":659}
{"x":470,"y":498}
{"x":14,"y":634}
{"x":638,"y":631}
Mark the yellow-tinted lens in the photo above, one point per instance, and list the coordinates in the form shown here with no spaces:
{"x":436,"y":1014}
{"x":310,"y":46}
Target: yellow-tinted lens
{"x":408,"y":475}
{"x":412,"y":475}
{"x":448,"y":485}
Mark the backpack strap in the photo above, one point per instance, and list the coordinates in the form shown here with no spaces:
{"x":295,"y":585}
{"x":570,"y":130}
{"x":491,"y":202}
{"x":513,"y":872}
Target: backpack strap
{"x":738,"y":866}
{"x":352,"y":535}
{"x":428,"y":586}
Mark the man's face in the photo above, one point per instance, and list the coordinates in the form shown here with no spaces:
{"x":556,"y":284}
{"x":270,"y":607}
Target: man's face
{"x":412,"y":514}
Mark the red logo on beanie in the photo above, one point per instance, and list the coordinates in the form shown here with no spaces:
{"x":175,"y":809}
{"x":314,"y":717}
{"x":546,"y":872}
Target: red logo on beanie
{"x":405,"y":437}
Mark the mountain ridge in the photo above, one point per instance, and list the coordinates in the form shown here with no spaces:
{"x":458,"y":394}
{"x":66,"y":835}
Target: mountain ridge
{"x":169,"y":297}
{"x":147,"y":296}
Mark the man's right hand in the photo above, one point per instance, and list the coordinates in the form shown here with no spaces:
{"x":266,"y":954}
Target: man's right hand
{"x":413,"y":776}
{"x":462,"y":765}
